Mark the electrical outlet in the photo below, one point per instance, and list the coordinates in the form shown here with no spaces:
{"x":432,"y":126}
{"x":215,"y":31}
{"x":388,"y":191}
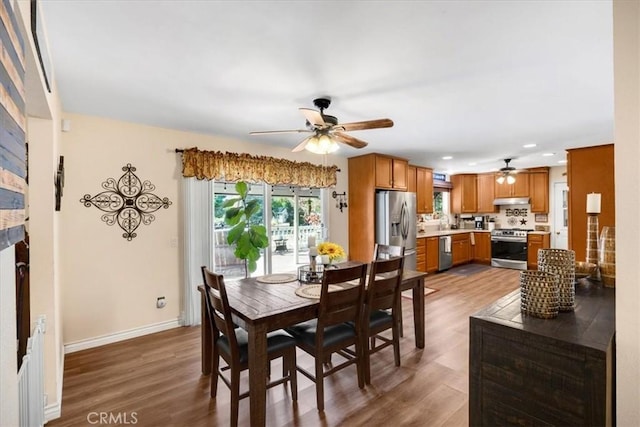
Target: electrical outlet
{"x":161,"y":302}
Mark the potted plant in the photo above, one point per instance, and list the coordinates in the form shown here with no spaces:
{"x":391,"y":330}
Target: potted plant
{"x":248,"y":235}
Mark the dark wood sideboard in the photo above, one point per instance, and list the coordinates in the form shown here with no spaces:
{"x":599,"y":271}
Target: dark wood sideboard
{"x":528,"y":371}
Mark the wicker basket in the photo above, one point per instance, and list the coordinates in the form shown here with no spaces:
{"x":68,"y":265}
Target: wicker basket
{"x":562,"y":263}
{"x":539,"y":294}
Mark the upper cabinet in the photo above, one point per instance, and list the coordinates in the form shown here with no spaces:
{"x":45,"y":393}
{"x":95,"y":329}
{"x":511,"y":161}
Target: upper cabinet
{"x":411,"y":179}
{"x":539,"y":190}
{"x":420,"y":181}
{"x":424,"y":190}
{"x":475,"y":193}
{"x":520,"y":188}
{"x":391,"y":172}
{"x":486,"y":193}
{"x":464,"y":198}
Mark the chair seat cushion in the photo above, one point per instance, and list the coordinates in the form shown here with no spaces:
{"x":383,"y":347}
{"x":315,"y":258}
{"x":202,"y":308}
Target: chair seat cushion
{"x":276,"y":341}
{"x":380,"y":318}
{"x":305,"y":333}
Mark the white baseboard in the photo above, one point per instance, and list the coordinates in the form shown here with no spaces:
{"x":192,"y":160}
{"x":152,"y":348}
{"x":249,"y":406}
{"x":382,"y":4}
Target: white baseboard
{"x":120,"y":336}
{"x":54,"y":410}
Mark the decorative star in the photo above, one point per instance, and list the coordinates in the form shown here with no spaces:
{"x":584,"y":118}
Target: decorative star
{"x":523,"y":221}
{"x":128,"y":201}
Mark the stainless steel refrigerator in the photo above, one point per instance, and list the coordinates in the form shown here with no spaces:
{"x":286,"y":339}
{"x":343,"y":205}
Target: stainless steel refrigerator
{"x":396,"y":222}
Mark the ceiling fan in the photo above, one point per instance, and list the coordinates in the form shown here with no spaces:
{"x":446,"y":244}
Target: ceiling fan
{"x":325,"y":130}
{"x":507,"y":173}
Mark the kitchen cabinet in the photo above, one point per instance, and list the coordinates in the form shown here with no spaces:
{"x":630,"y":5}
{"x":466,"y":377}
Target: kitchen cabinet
{"x":391,"y":172}
{"x":589,"y":170}
{"x":486,"y":193}
{"x":520,"y":188}
{"x":412,"y":183}
{"x":421,"y":254}
{"x":424,"y":190}
{"x":464,"y":193}
{"x":460,"y":248}
{"x":535,"y":242}
{"x":364,"y":174}
{"x":539,"y":190}
{"x":432,"y":253}
{"x":482,"y":247}
{"x":525,"y":371}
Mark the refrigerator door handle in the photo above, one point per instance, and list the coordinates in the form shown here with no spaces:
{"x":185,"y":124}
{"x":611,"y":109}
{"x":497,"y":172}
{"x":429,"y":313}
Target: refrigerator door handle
{"x":404,"y":220}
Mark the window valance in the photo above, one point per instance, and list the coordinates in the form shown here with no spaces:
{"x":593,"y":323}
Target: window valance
{"x":232,"y":167}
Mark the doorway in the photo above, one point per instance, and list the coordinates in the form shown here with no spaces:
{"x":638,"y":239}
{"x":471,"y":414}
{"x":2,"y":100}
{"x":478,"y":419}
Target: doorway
{"x":560,"y":236}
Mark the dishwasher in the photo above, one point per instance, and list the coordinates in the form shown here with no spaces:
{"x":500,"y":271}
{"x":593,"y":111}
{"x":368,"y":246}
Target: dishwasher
{"x":444,"y":253}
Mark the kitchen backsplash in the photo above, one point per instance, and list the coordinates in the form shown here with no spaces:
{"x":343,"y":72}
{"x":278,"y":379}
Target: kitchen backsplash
{"x":515,"y":216}
{"x":520,"y":216}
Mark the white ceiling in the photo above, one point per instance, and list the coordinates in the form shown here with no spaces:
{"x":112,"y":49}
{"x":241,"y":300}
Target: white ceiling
{"x":472,"y":79}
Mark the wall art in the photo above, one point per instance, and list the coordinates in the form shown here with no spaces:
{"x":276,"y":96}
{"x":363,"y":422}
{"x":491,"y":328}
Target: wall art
{"x":127,"y":201}
{"x":59,"y":182}
{"x":13,"y":126}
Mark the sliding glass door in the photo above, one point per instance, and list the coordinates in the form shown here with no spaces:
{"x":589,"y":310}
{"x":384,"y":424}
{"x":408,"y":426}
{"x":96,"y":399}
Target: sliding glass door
{"x":296,"y":215}
{"x":290,"y":214}
{"x":224,"y":260}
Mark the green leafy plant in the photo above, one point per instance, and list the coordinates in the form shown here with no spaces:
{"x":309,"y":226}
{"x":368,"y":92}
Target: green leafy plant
{"x":248,"y":236}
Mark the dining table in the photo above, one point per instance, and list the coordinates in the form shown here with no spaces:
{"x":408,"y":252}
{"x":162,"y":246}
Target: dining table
{"x":259,"y":308}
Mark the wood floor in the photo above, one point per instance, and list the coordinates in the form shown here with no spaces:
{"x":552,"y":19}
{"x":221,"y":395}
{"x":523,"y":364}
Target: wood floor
{"x":156,"y":380}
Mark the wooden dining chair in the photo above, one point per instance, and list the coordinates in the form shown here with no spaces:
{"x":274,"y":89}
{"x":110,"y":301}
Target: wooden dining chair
{"x":231,"y":343}
{"x":386,"y":252}
{"x":382,"y":310}
{"x":337,"y":327}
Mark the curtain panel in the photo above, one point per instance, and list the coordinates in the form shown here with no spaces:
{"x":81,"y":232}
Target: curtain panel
{"x":231,"y":167}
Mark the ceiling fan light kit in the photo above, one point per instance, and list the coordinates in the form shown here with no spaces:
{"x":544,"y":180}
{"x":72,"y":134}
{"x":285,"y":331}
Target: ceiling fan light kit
{"x":322,"y":144}
{"x":327,"y":132}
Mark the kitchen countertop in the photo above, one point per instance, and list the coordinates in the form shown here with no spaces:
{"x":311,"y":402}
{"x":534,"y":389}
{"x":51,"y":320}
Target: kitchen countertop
{"x":438,"y":233}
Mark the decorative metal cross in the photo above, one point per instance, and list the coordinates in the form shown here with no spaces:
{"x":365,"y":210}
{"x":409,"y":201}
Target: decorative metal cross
{"x":128,"y":201}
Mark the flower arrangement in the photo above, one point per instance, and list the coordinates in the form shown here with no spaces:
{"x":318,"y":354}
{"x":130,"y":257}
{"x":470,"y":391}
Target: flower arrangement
{"x":332,"y":250}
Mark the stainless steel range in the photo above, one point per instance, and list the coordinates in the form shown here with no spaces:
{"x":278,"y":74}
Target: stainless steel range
{"x":509,"y":248}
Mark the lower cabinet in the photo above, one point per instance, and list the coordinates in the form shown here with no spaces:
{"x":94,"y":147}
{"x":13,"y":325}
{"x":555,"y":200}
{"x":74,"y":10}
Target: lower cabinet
{"x":482,"y":247}
{"x":535,"y":242}
{"x":421,"y":254}
{"x":432,"y":248}
{"x":460,"y":248}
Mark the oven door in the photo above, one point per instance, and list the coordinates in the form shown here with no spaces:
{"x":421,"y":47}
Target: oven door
{"x":509,"y":252}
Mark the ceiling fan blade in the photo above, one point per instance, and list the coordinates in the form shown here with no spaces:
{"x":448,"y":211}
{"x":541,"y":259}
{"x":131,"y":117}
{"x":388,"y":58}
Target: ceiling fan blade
{"x":349,"y":140}
{"x":302,"y":145}
{"x":314,"y":117}
{"x":268,"y":132}
{"x":368,"y":124}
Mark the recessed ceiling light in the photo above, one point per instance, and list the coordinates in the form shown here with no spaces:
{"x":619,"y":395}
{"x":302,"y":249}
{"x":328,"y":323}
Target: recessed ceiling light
{"x":562,"y":161}
{"x":548,"y":154}
{"x":529,"y":145}
{"x":447,"y":157}
{"x":472,"y":164}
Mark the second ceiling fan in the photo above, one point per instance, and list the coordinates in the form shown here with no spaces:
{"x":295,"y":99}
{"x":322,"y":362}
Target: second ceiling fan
{"x":325,"y":130}
{"x":507,"y":173}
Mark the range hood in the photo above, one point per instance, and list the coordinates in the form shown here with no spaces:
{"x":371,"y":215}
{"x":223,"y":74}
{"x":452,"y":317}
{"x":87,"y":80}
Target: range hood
{"x":505,"y":201}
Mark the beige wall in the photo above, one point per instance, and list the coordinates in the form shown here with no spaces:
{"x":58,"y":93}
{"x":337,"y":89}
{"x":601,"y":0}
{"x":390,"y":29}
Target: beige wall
{"x":626,"y":24}
{"x":110,"y":285}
